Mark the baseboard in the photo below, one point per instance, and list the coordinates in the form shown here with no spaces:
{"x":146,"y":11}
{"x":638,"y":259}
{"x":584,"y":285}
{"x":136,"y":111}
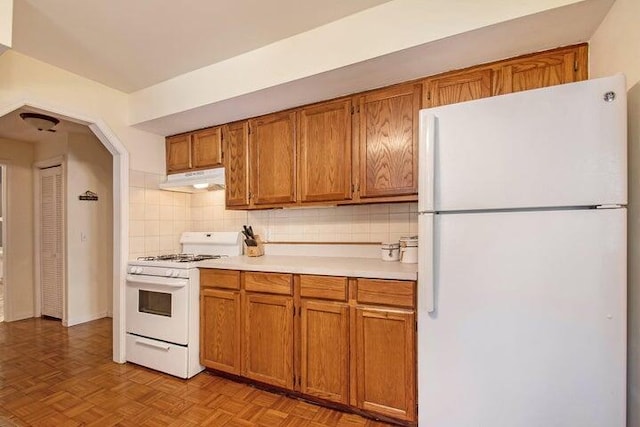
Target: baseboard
{"x":84,"y":319}
{"x":19,"y":316}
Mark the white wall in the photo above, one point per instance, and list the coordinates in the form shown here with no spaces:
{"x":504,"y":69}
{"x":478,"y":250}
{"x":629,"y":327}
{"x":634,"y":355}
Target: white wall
{"x":24,"y":78}
{"x":89,"y":278}
{"x":89,"y":261}
{"x":372,"y":33}
{"x":615,"y":47}
{"x":6,"y":24}
{"x":18,"y":254}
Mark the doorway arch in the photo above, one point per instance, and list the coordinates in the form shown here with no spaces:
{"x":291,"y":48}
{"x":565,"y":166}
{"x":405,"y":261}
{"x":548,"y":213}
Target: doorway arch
{"x":120,"y":207}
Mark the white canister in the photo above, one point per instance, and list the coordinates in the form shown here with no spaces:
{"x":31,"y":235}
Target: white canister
{"x":409,"y":250}
{"x":390,"y":251}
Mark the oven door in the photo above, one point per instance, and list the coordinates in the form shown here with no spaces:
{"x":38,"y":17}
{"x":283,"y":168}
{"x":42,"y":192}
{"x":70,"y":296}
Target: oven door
{"x":157,"y":307}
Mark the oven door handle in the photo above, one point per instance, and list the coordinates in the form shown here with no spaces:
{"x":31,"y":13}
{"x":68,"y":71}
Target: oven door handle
{"x":170,"y":282}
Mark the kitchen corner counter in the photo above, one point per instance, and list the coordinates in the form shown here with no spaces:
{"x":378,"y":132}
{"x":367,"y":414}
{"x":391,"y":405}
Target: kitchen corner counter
{"x":326,"y":266}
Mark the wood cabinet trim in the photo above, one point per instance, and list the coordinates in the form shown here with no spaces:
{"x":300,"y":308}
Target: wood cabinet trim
{"x":235,"y":139}
{"x":218,"y":278}
{"x":323,"y":287}
{"x":386,"y":292}
{"x":271,"y":283}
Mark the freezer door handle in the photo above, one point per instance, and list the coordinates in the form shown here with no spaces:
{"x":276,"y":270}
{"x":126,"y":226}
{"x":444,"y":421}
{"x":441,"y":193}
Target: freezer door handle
{"x":426,"y":272}
{"x":427,"y":161}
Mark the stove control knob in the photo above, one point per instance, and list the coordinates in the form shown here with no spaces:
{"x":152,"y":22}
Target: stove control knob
{"x":139,"y":270}
{"x":176,"y":273}
{"x":168,"y":273}
{"x":132,"y":270}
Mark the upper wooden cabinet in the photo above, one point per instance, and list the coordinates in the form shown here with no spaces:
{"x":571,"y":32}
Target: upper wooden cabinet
{"x":272,"y":150}
{"x":545,"y":69}
{"x":459,"y":87}
{"x":207,"y":148}
{"x":558,"y":66}
{"x":236,"y":163}
{"x":358,"y":149}
{"x":178,"y":153}
{"x":324,"y":151}
{"x":193,"y":151}
{"x":388,"y":133}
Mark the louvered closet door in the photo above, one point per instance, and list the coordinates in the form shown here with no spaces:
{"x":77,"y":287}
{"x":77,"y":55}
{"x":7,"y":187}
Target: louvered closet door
{"x":51,"y":256}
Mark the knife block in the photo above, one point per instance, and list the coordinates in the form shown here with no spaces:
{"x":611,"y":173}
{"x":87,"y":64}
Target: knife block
{"x":255,"y":250}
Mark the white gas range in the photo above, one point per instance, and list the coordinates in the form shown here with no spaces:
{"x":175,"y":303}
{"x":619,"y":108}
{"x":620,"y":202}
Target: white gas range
{"x":162,"y":303}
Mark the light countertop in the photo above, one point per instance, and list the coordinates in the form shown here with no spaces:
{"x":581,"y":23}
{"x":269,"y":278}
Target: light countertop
{"x":371,"y":268}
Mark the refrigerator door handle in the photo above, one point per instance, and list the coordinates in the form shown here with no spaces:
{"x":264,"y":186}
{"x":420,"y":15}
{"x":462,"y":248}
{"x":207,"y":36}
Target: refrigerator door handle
{"x":427,"y":161}
{"x":426,"y":272}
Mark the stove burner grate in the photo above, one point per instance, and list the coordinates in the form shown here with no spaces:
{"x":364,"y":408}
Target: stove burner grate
{"x":180,"y":257}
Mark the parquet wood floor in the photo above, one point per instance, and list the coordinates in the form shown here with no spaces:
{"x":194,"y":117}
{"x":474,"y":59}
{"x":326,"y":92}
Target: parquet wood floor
{"x":56,"y":376}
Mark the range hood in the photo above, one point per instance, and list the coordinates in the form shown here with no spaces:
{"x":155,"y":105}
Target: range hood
{"x":196,"y":181}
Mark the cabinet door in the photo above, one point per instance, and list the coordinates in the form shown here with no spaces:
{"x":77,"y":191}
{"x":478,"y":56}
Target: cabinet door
{"x":220,"y":330}
{"x":546,"y":69}
{"x":268,"y":339}
{"x":389,"y":141}
{"x":324,"y":350}
{"x":272,"y":154}
{"x":207,"y":148}
{"x":451,"y":89}
{"x":236,"y":161}
{"x":324,"y":147}
{"x":178,"y":152}
{"x":386,"y":366}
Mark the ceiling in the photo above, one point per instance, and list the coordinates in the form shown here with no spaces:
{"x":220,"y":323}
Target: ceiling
{"x":14,"y":128}
{"x":129,"y":45}
{"x":133,"y":45}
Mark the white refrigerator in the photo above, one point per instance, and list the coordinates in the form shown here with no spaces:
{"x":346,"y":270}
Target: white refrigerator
{"x":522,"y":259}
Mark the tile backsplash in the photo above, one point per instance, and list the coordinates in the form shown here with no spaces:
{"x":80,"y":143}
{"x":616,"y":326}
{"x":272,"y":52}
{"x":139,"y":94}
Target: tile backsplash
{"x":158,"y":217}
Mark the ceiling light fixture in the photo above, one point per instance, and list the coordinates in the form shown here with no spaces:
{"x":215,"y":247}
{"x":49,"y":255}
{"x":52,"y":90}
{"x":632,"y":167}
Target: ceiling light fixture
{"x":40,"y":121}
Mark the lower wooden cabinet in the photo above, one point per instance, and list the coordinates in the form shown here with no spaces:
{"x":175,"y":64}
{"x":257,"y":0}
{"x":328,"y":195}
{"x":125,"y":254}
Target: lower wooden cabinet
{"x":348,"y":341}
{"x":268,"y":339}
{"x":220,"y":330}
{"x":324,"y":348}
{"x":385,"y":360}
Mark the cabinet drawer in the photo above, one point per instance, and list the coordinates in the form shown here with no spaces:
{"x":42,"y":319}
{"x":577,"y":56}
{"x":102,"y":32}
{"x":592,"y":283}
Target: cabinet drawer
{"x":323,"y":287}
{"x":213,"y":278}
{"x":272,"y":283}
{"x":387,"y":292}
